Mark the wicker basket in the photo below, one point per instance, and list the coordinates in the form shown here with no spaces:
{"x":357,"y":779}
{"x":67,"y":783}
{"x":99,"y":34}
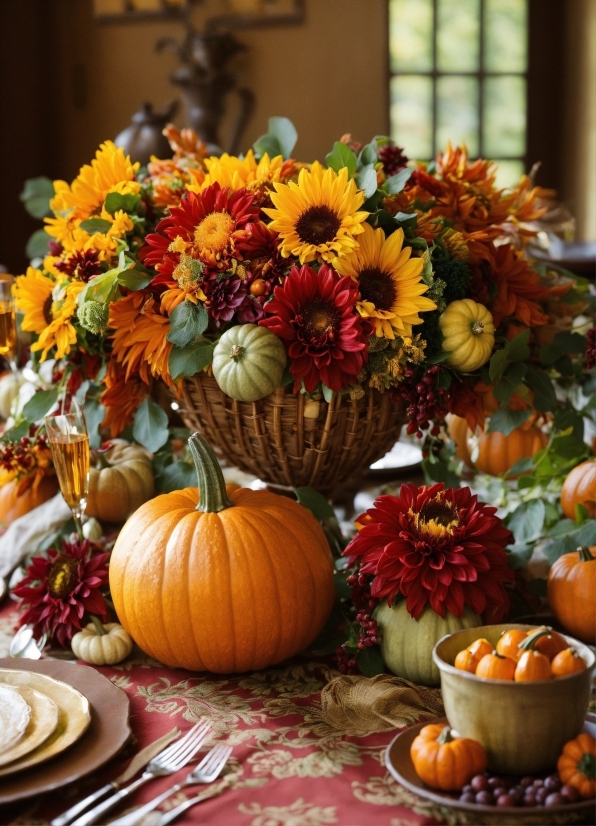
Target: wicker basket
{"x":272,"y":439}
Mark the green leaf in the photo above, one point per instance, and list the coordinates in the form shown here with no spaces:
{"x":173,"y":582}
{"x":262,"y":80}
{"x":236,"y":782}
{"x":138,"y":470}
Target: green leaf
{"x":396,"y":183}
{"x":150,"y":425}
{"x":327,"y":393}
{"x":287,"y":377}
{"x":517,"y":349}
{"x":370,"y":661}
{"x":315,"y":502}
{"x":439,"y":471}
{"x":37,"y":245}
{"x":527,"y":520}
{"x":36,"y":196}
{"x":186,"y":361}
{"x":341,"y":155}
{"x":134,"y":279}
{"x":521,"y":466}
{"x":94,"y":416}
{"x":93,"y":225}
{"x":366,"y":179}
{"x":188,"y":321}
{"x":177,"y":476}
{"x":544,"y":392}
{"x":569,"y":418}
{"x":127,"y":203}
{"x":372,"y":204}
{"x":519,"y":556}
{"x":15,"y":434}
{"x":585,"y":534}
{"x":497,"y":366}
{"x":563,"y":528}
{"x":101,"y":288}
{"x":439,"y":357}
{"x":368,"y":154}
{"x":284,"y":131}
{"x":505,"y":420}
{"x":568,"y":446}
{"x":509,"y":384}
{"x":563,"y":343}
{"x":267,"y":144}
{"x":537,"y":587}
{"x":582,"y":514}
{"x":40,"y":404}
{"x":406,"y":219}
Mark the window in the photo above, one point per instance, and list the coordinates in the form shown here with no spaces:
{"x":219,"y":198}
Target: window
{"x":458,"y":72}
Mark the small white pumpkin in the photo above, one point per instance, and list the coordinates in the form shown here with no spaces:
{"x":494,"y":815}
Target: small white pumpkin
{"x":9,"y":390}
{"x":248,"y":362}
{"x":102,"y":644}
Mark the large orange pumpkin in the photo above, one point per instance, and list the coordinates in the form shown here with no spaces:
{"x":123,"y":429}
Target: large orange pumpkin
{"x":579,"y":488}
{"x":571,"y":592}
{"x":497,"y":452}
{"x":237,"y":581}
{"x":22,"y":495}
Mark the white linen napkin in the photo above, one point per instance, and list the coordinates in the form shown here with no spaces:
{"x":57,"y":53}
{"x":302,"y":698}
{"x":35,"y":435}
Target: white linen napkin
{"x":26,"y":533}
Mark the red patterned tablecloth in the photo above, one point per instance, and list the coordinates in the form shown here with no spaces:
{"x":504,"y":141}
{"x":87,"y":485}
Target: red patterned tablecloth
{"x":290,"y":768}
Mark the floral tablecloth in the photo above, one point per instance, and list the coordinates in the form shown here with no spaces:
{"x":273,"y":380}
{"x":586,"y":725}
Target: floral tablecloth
{"x":288,"y":766}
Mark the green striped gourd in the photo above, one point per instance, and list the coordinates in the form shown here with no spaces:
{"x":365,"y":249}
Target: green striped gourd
{"x":248,"y":362}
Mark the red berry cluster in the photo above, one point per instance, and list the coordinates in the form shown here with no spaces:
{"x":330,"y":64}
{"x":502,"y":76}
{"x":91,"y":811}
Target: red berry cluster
{"x":425,"y":401}
{"x":591,"y":348}
{"x":370,"y":633}
{"x":489,"y":790}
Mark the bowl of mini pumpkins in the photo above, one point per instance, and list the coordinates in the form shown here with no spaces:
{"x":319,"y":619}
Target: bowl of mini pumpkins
{"x":521,"y":691}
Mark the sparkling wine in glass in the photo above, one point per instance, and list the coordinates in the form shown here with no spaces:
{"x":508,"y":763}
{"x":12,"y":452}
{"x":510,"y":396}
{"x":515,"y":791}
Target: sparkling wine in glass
{"x":69,"y":444}
{"x":8,"y":325}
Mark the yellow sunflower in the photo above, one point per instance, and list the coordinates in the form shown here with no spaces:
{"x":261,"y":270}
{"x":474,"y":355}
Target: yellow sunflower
{"x":318,"y":217}
{"x":60,"y":332}
{"x":236,"y":173}
{"x":111,"y":171}
{"x":33,"y":297}
{"x":391,"y":289}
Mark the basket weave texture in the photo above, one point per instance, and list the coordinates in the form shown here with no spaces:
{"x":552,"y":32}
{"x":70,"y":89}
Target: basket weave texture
{"x":272,"y":439}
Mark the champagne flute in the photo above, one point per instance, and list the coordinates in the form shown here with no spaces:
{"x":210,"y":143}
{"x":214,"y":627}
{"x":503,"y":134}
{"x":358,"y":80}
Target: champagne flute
{"x":8,"y":323}
{"x":69,"y":444}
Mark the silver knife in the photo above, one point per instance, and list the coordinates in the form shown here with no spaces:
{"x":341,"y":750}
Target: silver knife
{"x":138,"y":762}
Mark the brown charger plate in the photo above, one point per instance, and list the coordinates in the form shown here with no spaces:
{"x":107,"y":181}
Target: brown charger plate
{"x":399,"y":763}
{"x":107,"y":733}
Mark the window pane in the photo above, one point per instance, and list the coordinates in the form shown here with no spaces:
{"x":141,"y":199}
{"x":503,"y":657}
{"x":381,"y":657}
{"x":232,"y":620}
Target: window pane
{"x":457,"y":112}
{"x":411,"y":115}
{"x":506,"y":36}
{"x":504,"y":116}
{"x":458,"y":35}
{"x":410,"y":35}
{"x":509,"y":173}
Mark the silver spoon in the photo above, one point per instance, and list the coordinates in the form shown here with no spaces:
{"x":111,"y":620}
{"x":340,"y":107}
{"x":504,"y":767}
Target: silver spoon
{"x":25,"y":646}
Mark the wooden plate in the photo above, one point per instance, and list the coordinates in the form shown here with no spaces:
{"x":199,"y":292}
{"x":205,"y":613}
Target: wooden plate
{"x":45,"y":716}
{"x":73,"y":722}
{"x":399,"y":763}
{"x":107,"y":733}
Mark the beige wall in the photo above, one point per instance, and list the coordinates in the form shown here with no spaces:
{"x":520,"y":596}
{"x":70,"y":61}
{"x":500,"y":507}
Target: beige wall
{"x":328,"y":75}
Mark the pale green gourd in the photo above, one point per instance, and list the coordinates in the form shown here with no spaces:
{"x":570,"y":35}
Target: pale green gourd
{"x":248,"y":362}
{"x":468,"y":334}
{"x":407,"y":644}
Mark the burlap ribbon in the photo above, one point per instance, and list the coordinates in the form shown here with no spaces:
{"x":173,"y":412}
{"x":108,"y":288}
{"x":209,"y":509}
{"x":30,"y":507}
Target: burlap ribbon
{"x":362,"y":705}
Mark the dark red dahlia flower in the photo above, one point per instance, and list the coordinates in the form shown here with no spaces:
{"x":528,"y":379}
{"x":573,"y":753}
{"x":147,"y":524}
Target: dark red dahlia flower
{"x":210,"y":226}
{"x":435,"y":546}
{"x":393,"y":159}
{"x":224,"y":296}
{"x":61,"y":589}
{"x":83,"y":264}
{"x":314,"y":315}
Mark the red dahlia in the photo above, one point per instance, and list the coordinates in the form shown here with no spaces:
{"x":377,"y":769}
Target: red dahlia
{"x":314,"y":315}
{"x":61,"y":589}
{"x":210,"y":226}
{"x":435,"y":546}
{"x":393,"y":159}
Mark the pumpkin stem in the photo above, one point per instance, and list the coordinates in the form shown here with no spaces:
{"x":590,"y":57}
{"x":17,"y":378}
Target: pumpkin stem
{"x":101,"y":631}
{"x":236,"y":351}
{"x":532,"y":639}
{"x":99,"y":460}
{"x":586,"y":765}
{"x":212,"y":485}
{"x":584,"y":554}
{"x":477,"y":328}
{"x":445,"y":736}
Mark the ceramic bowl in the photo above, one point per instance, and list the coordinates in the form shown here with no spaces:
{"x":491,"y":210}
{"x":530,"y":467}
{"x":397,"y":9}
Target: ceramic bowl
{"x":522,"y":726}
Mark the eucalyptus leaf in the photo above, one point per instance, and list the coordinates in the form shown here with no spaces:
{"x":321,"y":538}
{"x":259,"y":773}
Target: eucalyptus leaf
{"x":342,"y":156}
{"x":366,"y":179}
{"x":150,"y":425}
{"x":177,"y":476}
{"x":15,"y":434}
{"x":36,"y":196}
{"x":267,"y":144}
{"x":368,"y":154}
{"x":527,"y":520}
{"x":40,"y":404}
{"x":93,"y":225}
{"x":37,"y":245}
{"x":585,"y":534}
{"x":94,"y":416}
{"x":284,"y":131}
{"x":327,"y":393}
{"x":396,"y":183}
{"x":519,"y":556}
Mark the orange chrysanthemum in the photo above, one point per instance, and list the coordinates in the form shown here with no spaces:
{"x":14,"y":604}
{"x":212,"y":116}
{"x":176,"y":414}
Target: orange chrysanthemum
{"x":519,"y":289}
{"x":121,"y":398}
{"x":139,"y":341}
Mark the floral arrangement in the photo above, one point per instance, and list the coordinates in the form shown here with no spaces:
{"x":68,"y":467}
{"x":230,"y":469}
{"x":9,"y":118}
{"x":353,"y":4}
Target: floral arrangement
{"x":359,"y":267}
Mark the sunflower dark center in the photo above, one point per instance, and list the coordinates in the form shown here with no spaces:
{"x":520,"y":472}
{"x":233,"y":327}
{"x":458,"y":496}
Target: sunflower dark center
{"x":377,"y":287}
{"x":63,"y":577}
{"x":318,"y":225}
{"x":47,"y":309}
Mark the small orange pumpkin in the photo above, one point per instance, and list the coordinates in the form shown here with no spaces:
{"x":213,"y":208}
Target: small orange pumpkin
{"x":547,"y":641}
{"x":567,"y":662}
{"x":508,"y":644}
{"x":20,"y":496}
{"x":237,"y":581}
{"x":480,"y":647}
{"x":577,"y":765}
{"x":496,"y":667}
{"x":532,"y":666}
{"x":497,"y":452}
{"x":579,"y":488}
{"x":446,"y":762}
{"x":571,"y":592}
{"x":466,"y":661}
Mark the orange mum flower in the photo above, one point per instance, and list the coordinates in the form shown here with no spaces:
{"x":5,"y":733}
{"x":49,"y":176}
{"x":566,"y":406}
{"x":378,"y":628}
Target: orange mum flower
{"x":518,"y":288}
{"x":139,"y":341}
{"x":121,"y":398}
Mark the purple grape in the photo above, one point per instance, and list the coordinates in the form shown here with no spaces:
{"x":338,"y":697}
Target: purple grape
{"x":479,"y":783}
{"x":542,"y":794}
{"x":529,"y":800}
{"x":468,"y":797}
{"x":526,"y":781}
{"x":485,"y":798}
{"x":505,"y":800}
{"x":570,"y":793}
{"x":467,"y":789}
{"x":555,"y":799}
{"x":495,"y":782}
{"x":552,"y":783}
{"x":517,"y":793}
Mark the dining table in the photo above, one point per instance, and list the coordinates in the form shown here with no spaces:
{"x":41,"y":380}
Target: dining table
{"x":288,"y":767}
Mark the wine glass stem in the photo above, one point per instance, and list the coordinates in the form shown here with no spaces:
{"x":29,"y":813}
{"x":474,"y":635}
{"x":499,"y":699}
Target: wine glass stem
{"x":76,"y":515}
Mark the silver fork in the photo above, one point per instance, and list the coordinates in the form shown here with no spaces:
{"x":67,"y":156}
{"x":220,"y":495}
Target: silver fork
{"x":207,"y":771}
{"x":160,"y":766}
